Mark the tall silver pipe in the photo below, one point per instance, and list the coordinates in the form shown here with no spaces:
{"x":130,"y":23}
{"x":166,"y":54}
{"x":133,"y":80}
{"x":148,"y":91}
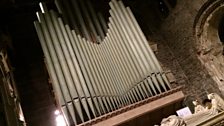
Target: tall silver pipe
{"x":53,"y":55}
{"x":121,"y":46}
{"x":60,"y":8}
{"x":94,"y":48}
{"x":121,"y":54}
{"x":131,"y":37}
{"x":111,"y":61}
{"x":89,"y":22}
{"x":87,"y":64}
{"x":108,"y":70}
{"x":149,"y":50}
{"x":131,"y":50}
{"x":102,"y":22}
{"x":127,"y":47}
{"x":95,"y":20}
{"x":131,"y":68}
{"x":55,"y":83}
{"x":56,"y":86}
{"x":152,"y":64}
{"x":65,"y":58}
{"x":101,"y":64}
{"x":128,"y":41}
{"x":84,"y":85}
{"x":105,"y":67}
{"x":135,"y":35}
{"x":74,"y":39}
{"x":131,"y":25}
{"x":64,"y":44}
{"x":68,"y":16}
{"x":117,"y":81}
{"x":91,"y":70}
{"x":147,"y":89}
{"x":144,"y":40}
{"x":81,"y":20}
{"x":108,"y":82}
{"x":145,"y":73}
{"x":117,"y":68}
{"x":72,"y":57}
{"x":122,"y":66}
{"x":152,"y":86}
{"x":94,"y":65}
{"x":145,"y":43}
{"x":131,"y":77}
{"x":142,"y":89}
{"x":67,"y":49}
{"x":126,"y":22}
{"x":76,"y":65}
{"x":119,"y":64}
{"x":54,"y":32}
{"x":82,"y":64}
{"x":55,"y":60}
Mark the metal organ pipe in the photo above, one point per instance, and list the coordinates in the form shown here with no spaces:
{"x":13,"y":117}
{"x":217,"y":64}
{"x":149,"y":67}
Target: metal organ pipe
{"x":77,"y":11}
{"x":58,"y":71}
{"x":117,"y":80}
{"x":109,"y":71}
{"x":122,"y":53}
{"x":128,"y":40}
{"x":130,"y":36}
{"x":92,"y":79}
{"x":93,"y":64}
{"x":65,"y":8}
{"x":105,"y":77}
{"x":149,"y":50}
{"x":50,"y":64}
{"x":89,"y":21}
{"x":57,"y":87}
{"x":84,"y":71}
{"x":120,"y":66}
{"x":95,"y":20}
{"x":67,"y":65}
{"x":102,"y":22}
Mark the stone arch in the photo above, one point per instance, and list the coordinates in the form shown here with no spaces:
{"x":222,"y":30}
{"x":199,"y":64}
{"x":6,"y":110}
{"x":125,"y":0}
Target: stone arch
{"x":208,"y":40}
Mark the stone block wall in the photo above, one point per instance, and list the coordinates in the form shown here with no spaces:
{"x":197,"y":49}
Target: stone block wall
{"x":178,"y":33}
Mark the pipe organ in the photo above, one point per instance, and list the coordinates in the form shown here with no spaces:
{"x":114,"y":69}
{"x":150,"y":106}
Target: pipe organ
{"x":90,"y":78}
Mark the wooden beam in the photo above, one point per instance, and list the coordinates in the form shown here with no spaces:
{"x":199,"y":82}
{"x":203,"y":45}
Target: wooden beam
{"x":137,"y":112}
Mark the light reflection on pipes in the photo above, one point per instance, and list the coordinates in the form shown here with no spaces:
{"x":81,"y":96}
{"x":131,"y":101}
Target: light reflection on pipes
{"x":60,"y":121}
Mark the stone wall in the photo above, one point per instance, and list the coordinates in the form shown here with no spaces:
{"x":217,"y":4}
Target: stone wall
{"x":178,"y":32}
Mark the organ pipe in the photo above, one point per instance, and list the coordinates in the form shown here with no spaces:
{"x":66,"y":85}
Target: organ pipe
{"x":92,"y":79}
